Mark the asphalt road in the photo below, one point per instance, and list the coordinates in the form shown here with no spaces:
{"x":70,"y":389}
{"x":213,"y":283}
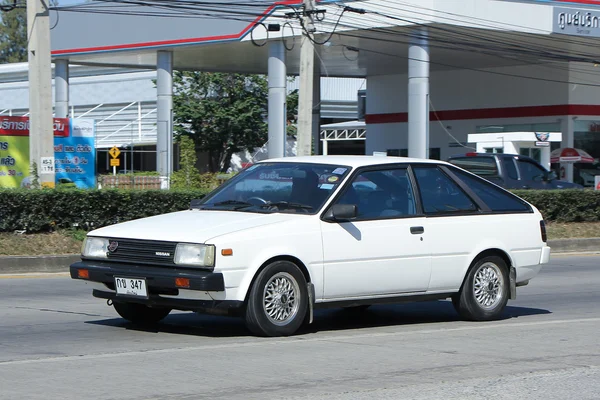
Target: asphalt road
{"x":57,"y":342}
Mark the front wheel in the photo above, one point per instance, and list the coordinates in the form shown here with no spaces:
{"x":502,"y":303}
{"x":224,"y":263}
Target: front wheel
{"x":278,"y":300}
{"x":485,"y":292}
{"x":140,"y":314}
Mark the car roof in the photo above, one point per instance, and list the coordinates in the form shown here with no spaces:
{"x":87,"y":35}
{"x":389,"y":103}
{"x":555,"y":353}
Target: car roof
{"x":498,"y":155}
{"x":353,"y":161}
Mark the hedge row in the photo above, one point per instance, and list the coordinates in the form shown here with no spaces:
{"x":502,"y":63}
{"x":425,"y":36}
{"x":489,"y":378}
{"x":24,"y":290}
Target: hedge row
{"x":47,"y":210}
{"x":574,"y":205}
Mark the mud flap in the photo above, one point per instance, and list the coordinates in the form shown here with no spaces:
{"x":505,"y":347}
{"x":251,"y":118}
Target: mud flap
{"x":512,"y":276}
{"x":311,"y":301}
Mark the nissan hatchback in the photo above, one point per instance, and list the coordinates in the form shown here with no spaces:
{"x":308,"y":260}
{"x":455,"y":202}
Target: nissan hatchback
{"x":286,"y":236}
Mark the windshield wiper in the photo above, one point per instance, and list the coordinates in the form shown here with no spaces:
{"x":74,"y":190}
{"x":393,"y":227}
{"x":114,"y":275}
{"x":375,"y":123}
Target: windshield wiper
{"x":285,"y":204}
{"x":236,"y":203}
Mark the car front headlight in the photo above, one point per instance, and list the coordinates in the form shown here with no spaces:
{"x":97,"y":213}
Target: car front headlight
{"x":94,"y":247}
{"x":199,"y":255}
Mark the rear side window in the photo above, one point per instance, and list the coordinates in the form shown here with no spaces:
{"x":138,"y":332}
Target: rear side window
{"x":496,"y":198}
{"x":440,"y":194}
{"x":510,"y":168}
{"x":482,"y":166}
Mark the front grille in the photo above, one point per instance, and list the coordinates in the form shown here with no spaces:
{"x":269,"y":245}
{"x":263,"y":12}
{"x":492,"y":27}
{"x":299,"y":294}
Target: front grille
{"x":143,"y":251}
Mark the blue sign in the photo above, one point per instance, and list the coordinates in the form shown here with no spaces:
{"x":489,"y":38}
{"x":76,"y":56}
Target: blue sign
{"x":75,"y":155}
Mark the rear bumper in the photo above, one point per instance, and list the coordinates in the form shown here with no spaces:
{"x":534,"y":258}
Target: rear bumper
{"x":160,"y":282}
{"x":545,"y":257}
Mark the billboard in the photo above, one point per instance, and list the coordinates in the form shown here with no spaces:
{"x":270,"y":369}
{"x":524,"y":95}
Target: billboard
{"x":74,"y":148}
{"x":14,"y":160}
{"x":75,"y":155}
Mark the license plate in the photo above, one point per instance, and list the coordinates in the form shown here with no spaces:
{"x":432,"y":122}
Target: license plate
{"x":131,"y":287}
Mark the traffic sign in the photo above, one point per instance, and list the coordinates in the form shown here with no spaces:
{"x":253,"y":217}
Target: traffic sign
{"x":115,"y":162}
{"x":114,"y":152}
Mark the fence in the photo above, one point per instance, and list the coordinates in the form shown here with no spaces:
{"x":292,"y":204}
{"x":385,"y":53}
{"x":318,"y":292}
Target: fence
{"x":128,"y":182}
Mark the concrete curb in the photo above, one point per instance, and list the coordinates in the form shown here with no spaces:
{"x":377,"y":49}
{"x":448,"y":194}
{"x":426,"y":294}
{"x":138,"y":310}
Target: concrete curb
{"x":25,"y":264}
{"x":60,"y":263}
{"x":574,"y":245}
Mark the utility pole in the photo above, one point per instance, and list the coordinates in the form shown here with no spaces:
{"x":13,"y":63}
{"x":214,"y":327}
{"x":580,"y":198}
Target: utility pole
{"x":41,"y":132}
{"x":305,"y":97}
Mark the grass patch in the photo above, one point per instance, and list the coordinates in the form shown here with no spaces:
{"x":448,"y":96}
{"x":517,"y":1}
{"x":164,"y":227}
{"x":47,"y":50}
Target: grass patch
{"x":557,"y":230}
{"x":66,"y":242}
{"x":69,"y":241}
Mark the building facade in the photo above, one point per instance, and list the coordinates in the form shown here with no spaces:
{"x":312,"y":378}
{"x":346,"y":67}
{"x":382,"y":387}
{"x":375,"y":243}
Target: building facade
{"x":437,"y":71}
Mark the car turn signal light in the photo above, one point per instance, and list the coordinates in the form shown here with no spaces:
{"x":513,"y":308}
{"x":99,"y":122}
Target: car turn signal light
{"x":83,"y":274}
{"x":182,"y":282}
{"x":227,"y":252}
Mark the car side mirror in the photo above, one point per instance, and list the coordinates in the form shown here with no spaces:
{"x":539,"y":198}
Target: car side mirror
{"x":194,"y":203}
{"x":341,"y":213}
{"x":550,"y":176}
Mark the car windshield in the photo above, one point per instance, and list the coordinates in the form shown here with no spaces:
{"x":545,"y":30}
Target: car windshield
{"x":278,"y":187}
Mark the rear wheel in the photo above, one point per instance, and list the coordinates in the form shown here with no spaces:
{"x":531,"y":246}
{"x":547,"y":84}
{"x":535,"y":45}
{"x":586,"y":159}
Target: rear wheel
{"x":140,"y":314}
{"x":278,"y":300}
{"x":485,"y":291}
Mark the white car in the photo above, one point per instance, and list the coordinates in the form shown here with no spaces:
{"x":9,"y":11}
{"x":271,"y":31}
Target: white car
{"x":286,"y":236}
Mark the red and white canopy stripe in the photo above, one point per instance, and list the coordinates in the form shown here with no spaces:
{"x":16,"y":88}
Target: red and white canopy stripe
{"x":570,"y":155}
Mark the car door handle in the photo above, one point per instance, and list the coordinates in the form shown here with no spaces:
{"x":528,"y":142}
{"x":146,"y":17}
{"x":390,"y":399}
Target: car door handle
{"x":416,"y":230}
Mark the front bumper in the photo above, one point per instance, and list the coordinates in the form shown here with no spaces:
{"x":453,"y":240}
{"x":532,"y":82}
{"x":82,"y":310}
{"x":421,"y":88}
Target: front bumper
{"x":160,"y":282}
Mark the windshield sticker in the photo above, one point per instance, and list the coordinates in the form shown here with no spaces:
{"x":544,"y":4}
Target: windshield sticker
{"x":339,"y":171}
{"x":327,"y":186}
{"x":333,"y":179}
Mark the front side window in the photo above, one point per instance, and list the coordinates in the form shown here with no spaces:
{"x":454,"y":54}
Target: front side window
{"x":278,"y":187}
{"x":530,"y":171}
{"x":440,"y":194}
{"x":385,"y":193}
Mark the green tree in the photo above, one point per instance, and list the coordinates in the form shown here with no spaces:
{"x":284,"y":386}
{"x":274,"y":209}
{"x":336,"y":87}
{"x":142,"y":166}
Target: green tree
{"x":13,"y":35}
{"x":222,"y":113}
{"x":188,"y":175}
{"x":292,"y":113}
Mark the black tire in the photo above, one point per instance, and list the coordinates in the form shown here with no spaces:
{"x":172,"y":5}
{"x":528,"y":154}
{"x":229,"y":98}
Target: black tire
{"x":140,"y":314}
{"x":485,"y":291}
{"x":268,"y":315}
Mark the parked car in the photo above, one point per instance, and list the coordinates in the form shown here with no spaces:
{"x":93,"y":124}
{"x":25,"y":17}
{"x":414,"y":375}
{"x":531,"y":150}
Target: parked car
{"x":286,"y":236}
{"x":585,"y":173}
{"x":511,"y":171}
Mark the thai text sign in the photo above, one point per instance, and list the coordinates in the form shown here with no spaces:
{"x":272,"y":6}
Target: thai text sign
{"x":74,"y":152}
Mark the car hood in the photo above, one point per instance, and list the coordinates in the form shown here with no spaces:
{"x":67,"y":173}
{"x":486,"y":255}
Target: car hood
{"x":195,"y":226}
